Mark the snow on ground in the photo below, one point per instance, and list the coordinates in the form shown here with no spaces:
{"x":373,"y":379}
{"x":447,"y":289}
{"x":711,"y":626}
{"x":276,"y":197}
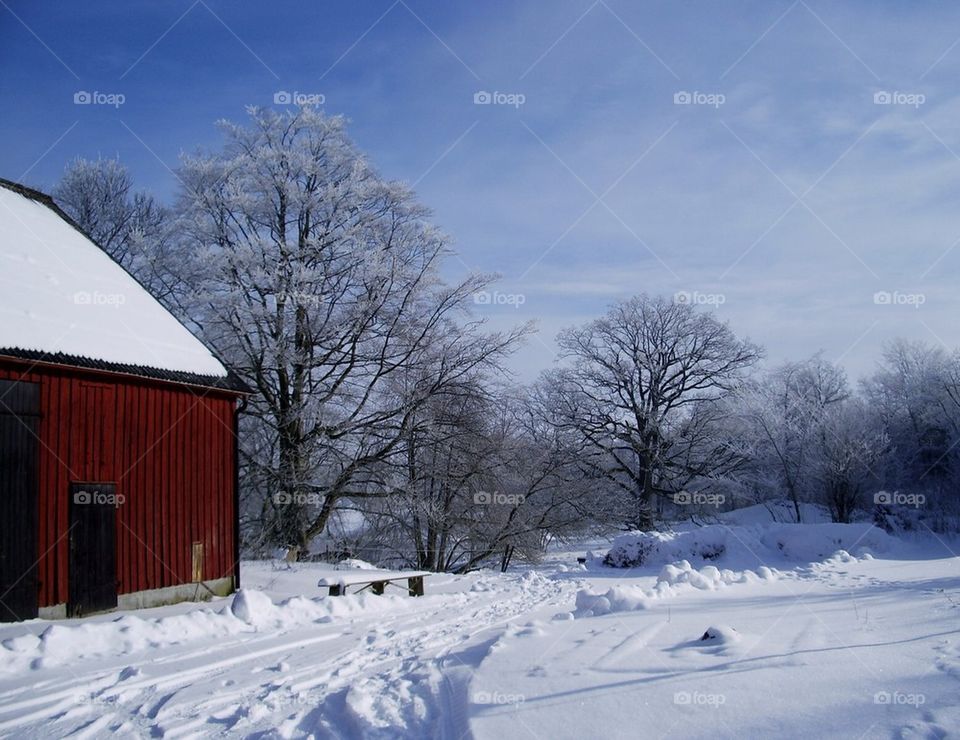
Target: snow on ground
{"x":352,"y":666}
{"x":778,"y":510}
{"x":864,"y":649}
{"x":835,"y":646}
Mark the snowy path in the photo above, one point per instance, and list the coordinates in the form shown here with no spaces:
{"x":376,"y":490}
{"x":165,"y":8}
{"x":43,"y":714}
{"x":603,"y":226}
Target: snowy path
{"x":404,"y":670}
{"x":867,"y":648}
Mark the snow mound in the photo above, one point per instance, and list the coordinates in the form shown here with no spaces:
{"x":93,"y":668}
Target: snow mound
{"x":616,"y":599}
{"x":806,"y":543}
{"x":249,"y":611}
{"x":673,"y":580}
{"x":842,"y":556}
{"x":253,"y":607}
{"x":709,"y":578}
{"x":720,"y":635}
{"x":748,"y":546}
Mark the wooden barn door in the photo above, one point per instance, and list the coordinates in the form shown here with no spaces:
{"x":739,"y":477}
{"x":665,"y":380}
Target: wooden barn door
{"x":19,"y":527}
{"x":92,"y":566}
{"x":93,"y":569}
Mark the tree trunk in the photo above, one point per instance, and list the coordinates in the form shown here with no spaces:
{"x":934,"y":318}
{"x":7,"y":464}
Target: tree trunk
{"x":645,"y":511}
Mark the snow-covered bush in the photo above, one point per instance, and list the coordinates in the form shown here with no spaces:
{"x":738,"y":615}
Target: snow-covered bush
{"x":746,"y":546}
{"x":641,"y":548}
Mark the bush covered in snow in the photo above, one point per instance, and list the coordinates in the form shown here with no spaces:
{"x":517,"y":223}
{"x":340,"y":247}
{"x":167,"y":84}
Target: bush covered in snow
{"x":746,"y":546}
{"x":640,"y":548}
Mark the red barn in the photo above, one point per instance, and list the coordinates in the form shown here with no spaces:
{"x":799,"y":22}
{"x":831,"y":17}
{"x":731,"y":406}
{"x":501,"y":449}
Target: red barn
{"x":118,"y":458}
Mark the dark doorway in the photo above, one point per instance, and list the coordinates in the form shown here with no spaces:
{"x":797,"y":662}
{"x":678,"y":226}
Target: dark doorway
{"x":93,"y":572}
{"x":19,"y":527}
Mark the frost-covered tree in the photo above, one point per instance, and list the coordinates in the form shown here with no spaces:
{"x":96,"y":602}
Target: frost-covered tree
{"x":916,"y":392}
{"x":131,"y":225}
{"x":785,"y":413}
{"x":845,"y":464}
{"x":320,"y":284}
{"x":483,"y":479}
{"x":637,"y":387}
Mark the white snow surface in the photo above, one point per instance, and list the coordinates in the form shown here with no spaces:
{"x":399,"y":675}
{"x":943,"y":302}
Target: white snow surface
{"x":844,"y":646}
{"x":61,"y":293}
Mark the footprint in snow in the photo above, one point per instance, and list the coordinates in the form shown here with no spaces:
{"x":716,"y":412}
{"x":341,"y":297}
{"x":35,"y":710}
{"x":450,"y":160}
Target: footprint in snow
{"x":128,"y":673}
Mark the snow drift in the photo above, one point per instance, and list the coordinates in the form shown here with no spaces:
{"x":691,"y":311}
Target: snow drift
{"x":673,"y":579}
{"x":747,"y":546}
{"x":248,"y":611}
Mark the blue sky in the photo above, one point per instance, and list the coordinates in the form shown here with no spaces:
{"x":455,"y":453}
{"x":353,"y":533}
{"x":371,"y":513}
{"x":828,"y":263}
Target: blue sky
{"x":779,"y":162}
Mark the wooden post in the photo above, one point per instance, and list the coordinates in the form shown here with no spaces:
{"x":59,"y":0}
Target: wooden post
{"x":378,"y":587}
{"x":415,"y":586}
{"x":336,"y":590}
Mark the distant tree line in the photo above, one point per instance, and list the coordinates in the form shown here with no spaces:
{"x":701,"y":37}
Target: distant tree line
{"x":383,"y":424}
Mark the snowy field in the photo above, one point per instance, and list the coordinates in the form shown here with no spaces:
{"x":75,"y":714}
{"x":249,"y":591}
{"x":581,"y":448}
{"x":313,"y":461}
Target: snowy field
{"x":811,"y":631}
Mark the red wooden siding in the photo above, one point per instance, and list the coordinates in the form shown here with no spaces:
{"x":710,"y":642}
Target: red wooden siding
{"x":170,"y":451}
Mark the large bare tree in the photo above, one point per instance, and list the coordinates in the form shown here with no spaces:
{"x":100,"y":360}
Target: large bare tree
{"x":320,"y":283}
{"x":638,"y":386}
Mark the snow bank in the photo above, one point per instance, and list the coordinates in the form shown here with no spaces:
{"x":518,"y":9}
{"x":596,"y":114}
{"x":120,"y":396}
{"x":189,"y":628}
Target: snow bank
{"x":777,"y":511}
{"x":748,"y":545}
{"x":814,"y":542}
{"x":673,"y":579}
{"x":248,"y":611}
{"x":710,"y":577}
{"x":616,"y":599}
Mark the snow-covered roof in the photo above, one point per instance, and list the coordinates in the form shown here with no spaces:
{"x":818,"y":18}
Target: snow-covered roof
{"x":62,"y":298}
